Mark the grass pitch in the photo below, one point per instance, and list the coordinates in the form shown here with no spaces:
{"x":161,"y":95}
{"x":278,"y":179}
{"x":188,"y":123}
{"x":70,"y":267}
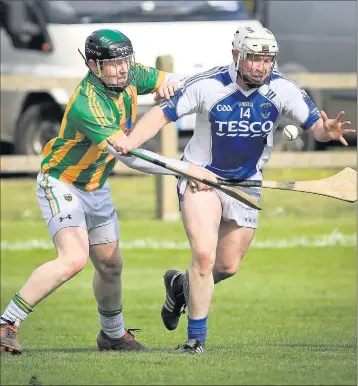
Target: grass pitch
{"x":287,"y":318}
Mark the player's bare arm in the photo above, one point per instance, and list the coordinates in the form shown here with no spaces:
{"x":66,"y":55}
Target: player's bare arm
{"x":145,"y":129}
{"x":326,"y":129}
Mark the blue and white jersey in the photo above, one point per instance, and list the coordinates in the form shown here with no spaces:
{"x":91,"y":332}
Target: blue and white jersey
{"x":238,"y":139}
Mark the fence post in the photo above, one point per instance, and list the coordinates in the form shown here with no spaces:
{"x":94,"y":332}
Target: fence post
{"x":167,"y":200}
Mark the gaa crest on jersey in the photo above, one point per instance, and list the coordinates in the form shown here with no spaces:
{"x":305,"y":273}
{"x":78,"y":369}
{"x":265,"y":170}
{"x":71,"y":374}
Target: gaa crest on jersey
{"x":265,"y":110}
{"x":68,"y":197}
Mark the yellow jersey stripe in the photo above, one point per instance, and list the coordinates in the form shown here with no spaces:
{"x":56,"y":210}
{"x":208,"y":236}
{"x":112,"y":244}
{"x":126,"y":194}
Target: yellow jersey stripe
{"x":69,"y":105}
{"x":89,"y":93}
{"x":115,"y":135}
{"x":100,"y":109}
{"x":94,"y":182}
{"x":121,"y":108}
{"x":133,"y":92}
{"x":122,"y":123}
{"x":48,"y":148}
{"x":96,"y":108}
{"x":94,"y":103}
{"x":160,"y":80}
{"x":59,"y":154}
{"x":72,"y":172}
{"x":79,"y":136}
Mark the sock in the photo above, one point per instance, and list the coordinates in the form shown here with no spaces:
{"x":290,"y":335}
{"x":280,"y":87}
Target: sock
{"x":197,"y":329}
{"x":112,"y":323}
{"x":17,"y":310}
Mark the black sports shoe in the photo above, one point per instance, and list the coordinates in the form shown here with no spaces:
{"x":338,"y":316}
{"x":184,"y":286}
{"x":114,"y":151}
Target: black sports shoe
{"x":125,"y":343}
{"x":191,"y":346}
{"x":174,"y":304}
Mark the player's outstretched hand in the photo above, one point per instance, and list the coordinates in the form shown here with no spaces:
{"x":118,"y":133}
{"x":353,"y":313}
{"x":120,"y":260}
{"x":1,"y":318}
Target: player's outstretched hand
{"x":335,"y":128}
{"x":166,"y":91}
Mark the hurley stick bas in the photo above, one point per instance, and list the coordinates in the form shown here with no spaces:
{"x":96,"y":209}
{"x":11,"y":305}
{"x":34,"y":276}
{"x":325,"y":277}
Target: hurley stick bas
{"x":232,"y":191}
{"x":342,"y":186}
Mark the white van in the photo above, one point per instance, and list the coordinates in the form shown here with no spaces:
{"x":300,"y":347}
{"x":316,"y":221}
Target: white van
{"x":197,"y":34}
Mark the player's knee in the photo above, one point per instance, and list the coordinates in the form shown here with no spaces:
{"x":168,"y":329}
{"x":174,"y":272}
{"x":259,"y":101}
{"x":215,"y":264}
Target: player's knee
{"x":72,"y":265}
{"x":111,"y":270}
{"x":203,"y":261}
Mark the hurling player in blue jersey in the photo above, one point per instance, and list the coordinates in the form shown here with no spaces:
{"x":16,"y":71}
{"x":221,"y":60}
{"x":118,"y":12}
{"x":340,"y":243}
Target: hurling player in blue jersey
{"x":243,"y":102}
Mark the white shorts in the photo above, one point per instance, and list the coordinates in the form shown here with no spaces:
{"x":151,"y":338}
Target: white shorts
{"x":63,"y":206}
{"x":232,"y":209}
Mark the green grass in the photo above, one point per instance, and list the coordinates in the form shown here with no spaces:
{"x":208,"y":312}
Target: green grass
{"x":288,"y":317}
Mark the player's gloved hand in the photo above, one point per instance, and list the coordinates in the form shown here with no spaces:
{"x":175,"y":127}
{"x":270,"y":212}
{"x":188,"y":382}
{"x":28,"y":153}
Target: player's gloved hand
{"x":202,"y":173}
{"x":122,"y":144}
{"x":166,"y":91}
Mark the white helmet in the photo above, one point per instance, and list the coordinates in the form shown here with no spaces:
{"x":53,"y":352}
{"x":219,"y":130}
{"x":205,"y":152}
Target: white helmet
{"x":254,"y":40}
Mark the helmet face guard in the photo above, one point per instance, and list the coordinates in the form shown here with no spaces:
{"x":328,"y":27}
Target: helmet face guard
{"x":117,"y":73}
{"x":255,"y":77}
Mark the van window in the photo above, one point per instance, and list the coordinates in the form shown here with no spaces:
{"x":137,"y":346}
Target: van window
{"x":75,"y":12}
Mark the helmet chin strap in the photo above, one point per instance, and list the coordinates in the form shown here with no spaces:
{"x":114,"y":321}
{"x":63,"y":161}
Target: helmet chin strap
{"x":249,"y":82}
{"x":245,"y":79}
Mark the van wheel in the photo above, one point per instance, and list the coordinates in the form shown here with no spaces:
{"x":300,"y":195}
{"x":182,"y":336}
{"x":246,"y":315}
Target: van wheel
{"x":36,"y":126}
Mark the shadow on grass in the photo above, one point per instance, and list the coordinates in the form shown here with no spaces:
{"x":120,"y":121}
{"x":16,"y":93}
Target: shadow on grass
{"x":78,"y":350}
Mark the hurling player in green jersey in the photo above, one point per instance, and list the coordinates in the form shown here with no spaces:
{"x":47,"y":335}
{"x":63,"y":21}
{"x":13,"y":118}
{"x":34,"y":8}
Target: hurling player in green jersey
{"x":72,"y":191}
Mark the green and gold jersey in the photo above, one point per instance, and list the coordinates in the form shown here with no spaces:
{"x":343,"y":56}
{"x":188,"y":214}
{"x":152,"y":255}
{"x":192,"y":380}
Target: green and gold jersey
{"x":92,"y":115}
